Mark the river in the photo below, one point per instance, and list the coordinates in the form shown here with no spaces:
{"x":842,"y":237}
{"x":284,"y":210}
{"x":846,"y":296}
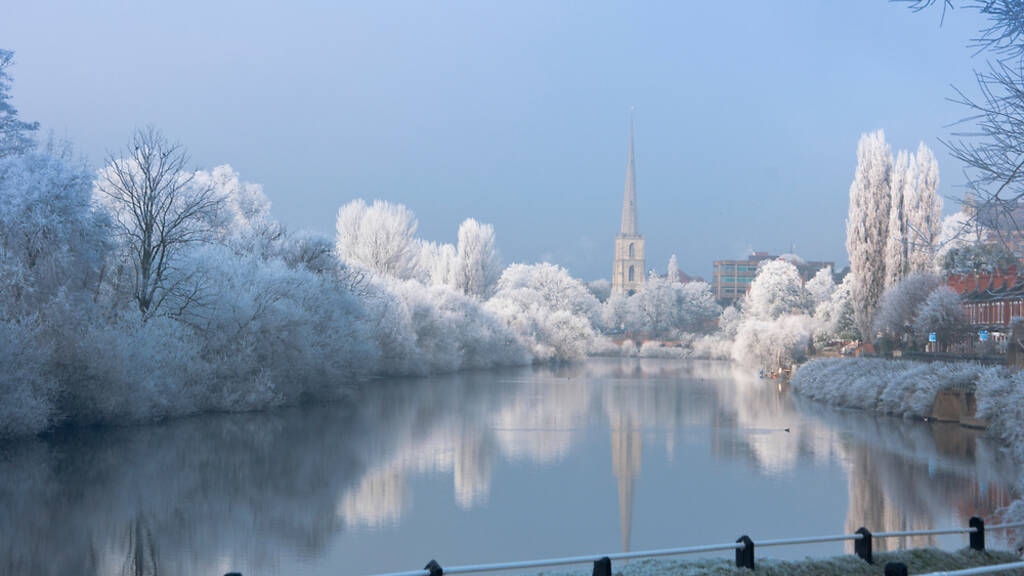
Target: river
{"x":603,"y":456}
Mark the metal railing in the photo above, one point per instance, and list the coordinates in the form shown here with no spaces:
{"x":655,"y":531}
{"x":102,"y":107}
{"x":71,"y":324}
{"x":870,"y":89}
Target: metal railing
{"x":744,"y":549}
{"x":994,"y":569}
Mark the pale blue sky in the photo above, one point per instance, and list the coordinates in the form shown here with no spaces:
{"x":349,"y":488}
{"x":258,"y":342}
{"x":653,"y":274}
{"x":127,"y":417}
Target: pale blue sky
{"x":515,"y":112}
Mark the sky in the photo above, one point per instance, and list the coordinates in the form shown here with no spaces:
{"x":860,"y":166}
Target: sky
{"x":516,"y":113}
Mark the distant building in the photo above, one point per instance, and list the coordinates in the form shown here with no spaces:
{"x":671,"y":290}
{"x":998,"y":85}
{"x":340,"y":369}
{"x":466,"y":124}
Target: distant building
{"x":731,"y":279}
{"x":990,"y":300}
{"x":629,"y":271}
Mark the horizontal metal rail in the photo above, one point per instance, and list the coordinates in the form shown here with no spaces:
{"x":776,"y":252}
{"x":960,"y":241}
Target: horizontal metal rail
{"x":970,"y":530}
{"x":744,"y":548}
{"x":980,"y":570}
{"x":811,"y":540}
{"x":574,"y":560}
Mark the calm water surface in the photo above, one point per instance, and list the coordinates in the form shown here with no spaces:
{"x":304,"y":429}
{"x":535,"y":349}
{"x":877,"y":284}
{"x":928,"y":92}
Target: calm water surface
{"x":604,"y":456}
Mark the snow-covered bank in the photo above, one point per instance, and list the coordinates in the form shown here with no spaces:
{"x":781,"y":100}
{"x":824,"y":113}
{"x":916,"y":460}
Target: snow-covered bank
{"x":901,"y":388}
{"x":908,"y":388}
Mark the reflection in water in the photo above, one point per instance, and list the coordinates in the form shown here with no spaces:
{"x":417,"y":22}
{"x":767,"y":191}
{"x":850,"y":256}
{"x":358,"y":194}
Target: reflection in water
{"x":141,"y":557}
{"x":294,"y":491}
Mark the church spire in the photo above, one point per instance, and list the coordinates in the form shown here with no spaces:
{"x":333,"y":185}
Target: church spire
{"x":629,"y":226}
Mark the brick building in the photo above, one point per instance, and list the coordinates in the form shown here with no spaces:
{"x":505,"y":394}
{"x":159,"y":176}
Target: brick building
{"x":990,"y":300}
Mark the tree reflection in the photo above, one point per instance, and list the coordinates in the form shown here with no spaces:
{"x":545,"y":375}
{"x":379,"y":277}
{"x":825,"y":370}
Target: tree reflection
{"x":224,"y":492}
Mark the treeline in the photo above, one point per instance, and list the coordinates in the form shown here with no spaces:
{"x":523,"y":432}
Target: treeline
{"x":150,"y":289}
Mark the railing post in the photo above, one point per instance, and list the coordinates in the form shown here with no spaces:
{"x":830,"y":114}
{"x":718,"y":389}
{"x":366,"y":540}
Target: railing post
{"x":978,"y":536}
{"x":745,"y":555}
{"x":862,"y":547}
{"x":895,"y":569}
{"x":603,"y":566}
{"x":435,"y":568}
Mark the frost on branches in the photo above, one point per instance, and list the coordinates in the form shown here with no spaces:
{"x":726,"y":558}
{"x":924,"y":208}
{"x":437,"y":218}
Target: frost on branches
{"x":867,"y":226}
{"x":776,"y":326}
{"x":554,"y":313}
{"x":894,"y":226}
{"x":898,"y":309}
{"x":151,"y":289}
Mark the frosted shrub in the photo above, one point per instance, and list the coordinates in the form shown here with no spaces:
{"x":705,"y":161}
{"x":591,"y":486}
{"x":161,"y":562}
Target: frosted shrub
{"x":903,"y":388}
{"x":126,"y":370}
{"x":381,"y":237}
{"x":654,"y":349}
{"x":942,"y":313}
{"x":628,"y":348}
{"x":551,"y":312}
{"x":773,"y":343}
{"x":900,"y":303}
{"x":821,"y":286}
{"x":776,"y":291}
{"x":712,"y":347}
{"x":453,"y":332}
{"x":27,"y":390}
{"x":834,"y":317}
{"x":604,"y":346}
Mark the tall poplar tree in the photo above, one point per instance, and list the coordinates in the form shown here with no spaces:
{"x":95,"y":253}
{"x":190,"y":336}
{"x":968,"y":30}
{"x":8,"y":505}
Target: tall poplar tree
{"x":925,"y":214}
{"x":897,"y":244}
{"x":867,"y":227}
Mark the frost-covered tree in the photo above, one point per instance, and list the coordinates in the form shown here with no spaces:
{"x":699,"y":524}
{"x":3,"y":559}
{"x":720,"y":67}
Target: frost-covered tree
{"x":436,"y":264}
{"x":957,"y":230}
{"x":729,"y":321}
{"x":381,"y":237}
{"x":943,"y":314}
{"x":477,"y":264}
{"x":309,"y":251}
{"x":552,"y":311}
{"x":666,"y":308}
{"x":897,"y":246}
{"x":673,"y":269}
{"x":15,"y":134}
{"x":772,"y":344}
{"x":978,"y":259}
{"x":243,"y":220}
{"x":696,"y":305}
{"x":924,"y":217}
{"x":776,"y":327}
{"x":835,"y":317}
{"x":158,"y":210}
{"x":821,"y":286}
{"x":899,"y":305}
{"x":601,"y":289}
{"x":550,"y":286}
{"x":777,"y":290}
{"x":867,"y":227}
{"x":53,"y":240}
{"x":615,"y":312}
{"x":652,"y":310}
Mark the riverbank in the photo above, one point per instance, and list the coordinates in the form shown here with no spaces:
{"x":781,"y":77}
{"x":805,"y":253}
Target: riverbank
{"x":919,"y":561}
{"x":909,"y":389}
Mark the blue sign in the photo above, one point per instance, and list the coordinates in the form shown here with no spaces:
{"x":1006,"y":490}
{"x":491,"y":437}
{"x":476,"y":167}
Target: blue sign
{"x":983,"y":335}
{"x":931,"y":337}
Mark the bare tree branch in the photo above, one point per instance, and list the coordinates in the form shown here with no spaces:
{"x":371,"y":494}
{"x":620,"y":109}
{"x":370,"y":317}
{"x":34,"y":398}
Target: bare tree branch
{"x":158,"y":209}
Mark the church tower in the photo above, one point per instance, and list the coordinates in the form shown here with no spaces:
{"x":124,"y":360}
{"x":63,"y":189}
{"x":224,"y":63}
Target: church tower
{"x":629,"y":271}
